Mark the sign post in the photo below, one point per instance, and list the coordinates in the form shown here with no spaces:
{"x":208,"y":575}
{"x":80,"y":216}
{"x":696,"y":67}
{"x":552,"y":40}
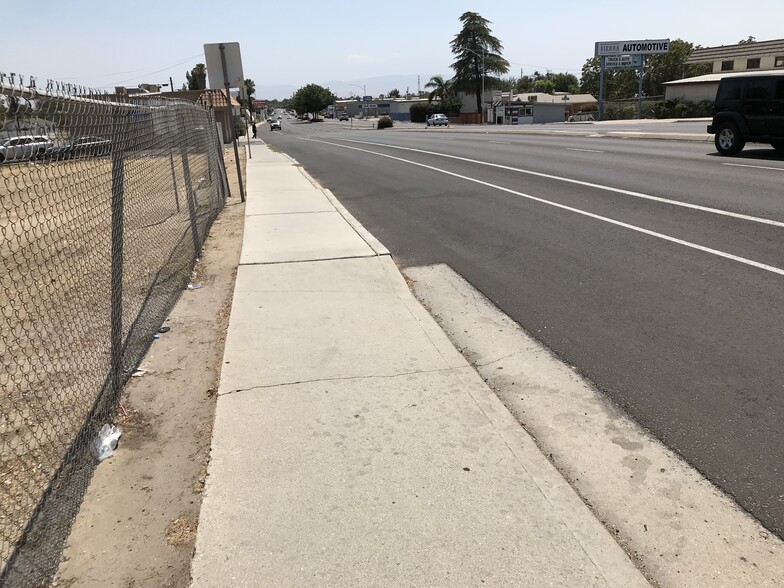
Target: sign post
{"x":615,"y":55}
{"x":225,"y":59}
{"x":601,"y":86}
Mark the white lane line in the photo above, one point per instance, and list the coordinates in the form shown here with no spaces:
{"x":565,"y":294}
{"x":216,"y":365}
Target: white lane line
{"x":585,"y":150}
{"x":754,"y":219}
{"x":725,"y":255}
{"x":500,"y":142}
{"x":754,"y":166}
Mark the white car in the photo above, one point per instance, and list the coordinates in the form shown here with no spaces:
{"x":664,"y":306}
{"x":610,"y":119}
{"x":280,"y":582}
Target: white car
{"x":275,"y":125}
{"x":438,"y":120}
{"x":25,"y":147}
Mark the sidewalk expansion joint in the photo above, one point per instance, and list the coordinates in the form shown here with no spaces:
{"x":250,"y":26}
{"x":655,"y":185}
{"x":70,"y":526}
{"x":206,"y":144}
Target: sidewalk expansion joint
{"x":370,"y":256}
{"x":337,"y":379}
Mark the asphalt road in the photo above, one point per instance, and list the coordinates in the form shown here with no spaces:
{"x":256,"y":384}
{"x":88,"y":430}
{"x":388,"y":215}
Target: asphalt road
{"x":654,"y":267}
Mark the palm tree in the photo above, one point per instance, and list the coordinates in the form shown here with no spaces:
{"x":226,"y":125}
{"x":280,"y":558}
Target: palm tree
{"x":441,"y":88}
{"x":250,"y":88}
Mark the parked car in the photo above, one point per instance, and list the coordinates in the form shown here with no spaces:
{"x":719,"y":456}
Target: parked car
{"x":343,"y":116}
{"x":275,"y":125}
{"x":749,"y":109}
{"x":437,"y":120}
{"x":86,"y":146}
{"x":25,"y":147}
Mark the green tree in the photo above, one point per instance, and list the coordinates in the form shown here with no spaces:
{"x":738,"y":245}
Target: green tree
{"x":394,"y":93}
{"x":671,"y":66}
{"x":589,"y":79}
{"x":197,"y":77}
{"x":443,"y":91}
{"x":477,"y":53}
{"x":312,"y":99}
{"x":250,"y":89}
{"x":618,"y":85}
{"x":544,"y":85}
{"x":562,"y":82}
{"x":439,"y":88}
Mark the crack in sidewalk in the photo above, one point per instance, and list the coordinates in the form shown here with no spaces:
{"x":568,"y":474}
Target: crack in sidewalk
{"x":507,"y":356}
{"x":317,"y":259}
{"x":336,"y":379}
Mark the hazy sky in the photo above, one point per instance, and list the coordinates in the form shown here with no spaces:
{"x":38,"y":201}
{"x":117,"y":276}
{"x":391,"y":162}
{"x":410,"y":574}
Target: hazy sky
{"x":103,"y":43}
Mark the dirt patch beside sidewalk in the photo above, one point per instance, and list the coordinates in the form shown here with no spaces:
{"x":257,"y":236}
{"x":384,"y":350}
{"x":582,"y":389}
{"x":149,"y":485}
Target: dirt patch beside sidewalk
{"x":137,"y":524}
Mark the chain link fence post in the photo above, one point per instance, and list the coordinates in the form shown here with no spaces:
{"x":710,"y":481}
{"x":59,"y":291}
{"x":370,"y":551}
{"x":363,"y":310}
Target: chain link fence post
{"x":94,"y":253}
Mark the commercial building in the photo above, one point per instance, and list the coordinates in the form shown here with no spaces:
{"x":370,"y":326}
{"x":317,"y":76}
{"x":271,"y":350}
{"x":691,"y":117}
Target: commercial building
{"x":726,"y":60}
{"x":394,"y":108}
{"x":536,"y":107}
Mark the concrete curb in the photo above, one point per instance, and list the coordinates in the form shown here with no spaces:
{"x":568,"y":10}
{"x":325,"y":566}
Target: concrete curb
{"x":374,"y":243}
{"x":377,"y":247}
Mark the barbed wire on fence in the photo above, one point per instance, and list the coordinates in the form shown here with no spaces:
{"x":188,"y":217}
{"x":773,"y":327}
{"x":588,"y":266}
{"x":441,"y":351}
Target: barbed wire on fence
{"x":105,"y":202}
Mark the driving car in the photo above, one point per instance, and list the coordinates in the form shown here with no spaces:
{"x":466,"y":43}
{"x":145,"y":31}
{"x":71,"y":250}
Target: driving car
{"x":87,"y":146}
{"x":25,"y":147}
{"x":749,"y":108}
{"x":437,"y":120}
{"x":275,"y":125}
{"x":343,"y":116}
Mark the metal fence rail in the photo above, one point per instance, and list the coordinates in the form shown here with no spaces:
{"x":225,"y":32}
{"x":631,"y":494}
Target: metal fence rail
{"x":104,"y":206}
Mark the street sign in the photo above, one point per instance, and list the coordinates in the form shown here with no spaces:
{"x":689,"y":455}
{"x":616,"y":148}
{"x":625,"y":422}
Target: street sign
{"x":622,"y":61}
{"x":644,"y":47}
{"x":215,"y":75}
{"x":367,"y":98}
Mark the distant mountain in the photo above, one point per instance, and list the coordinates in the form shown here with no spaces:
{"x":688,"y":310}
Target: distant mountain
{"x":373,"y":86}
{"x":274,"y":92}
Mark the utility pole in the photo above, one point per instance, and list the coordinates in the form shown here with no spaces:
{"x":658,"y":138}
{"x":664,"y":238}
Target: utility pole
{"x":482,"y":99}
{"x":484,"y":110}
{"x":171,"y":84}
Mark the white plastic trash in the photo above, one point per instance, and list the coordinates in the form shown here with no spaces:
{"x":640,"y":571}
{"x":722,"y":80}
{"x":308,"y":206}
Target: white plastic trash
{"x":107,"y":440}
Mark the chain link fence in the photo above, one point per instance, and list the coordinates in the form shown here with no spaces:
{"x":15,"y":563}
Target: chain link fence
{"x":105,"y":202}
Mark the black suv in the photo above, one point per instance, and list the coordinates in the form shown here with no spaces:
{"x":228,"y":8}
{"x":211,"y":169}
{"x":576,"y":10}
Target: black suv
{"x":749,"y":108}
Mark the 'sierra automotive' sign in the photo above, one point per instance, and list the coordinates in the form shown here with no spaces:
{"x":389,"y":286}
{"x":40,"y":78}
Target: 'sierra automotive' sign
{"x":646,"y":47}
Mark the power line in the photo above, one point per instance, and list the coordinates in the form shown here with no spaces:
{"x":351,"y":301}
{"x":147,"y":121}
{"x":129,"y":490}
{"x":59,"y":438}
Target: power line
{"x":117,"y":73}
{"x":546,"y":67}
{"x":179,"y":63}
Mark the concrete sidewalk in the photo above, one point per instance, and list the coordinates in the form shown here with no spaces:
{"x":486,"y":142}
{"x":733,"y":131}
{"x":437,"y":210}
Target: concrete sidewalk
{"x":353,"y":445}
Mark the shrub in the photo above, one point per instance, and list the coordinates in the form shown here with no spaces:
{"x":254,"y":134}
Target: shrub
{"x":240,"y":126}
{"x":679,"y":108}
{"x":385,"y":122}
